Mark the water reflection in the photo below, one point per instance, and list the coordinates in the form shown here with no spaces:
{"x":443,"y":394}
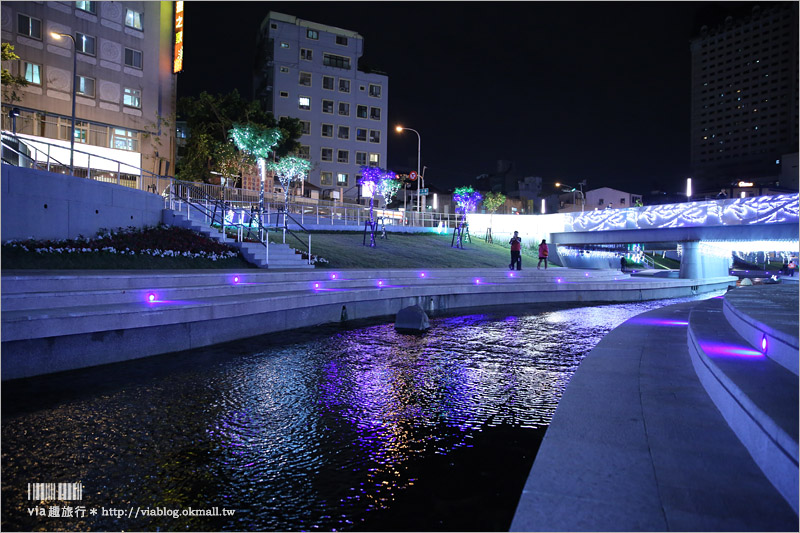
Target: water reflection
{"x":337,"y":430}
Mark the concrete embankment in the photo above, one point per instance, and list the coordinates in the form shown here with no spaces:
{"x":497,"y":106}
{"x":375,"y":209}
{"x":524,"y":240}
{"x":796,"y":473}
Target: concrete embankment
{"x":56,"y":321}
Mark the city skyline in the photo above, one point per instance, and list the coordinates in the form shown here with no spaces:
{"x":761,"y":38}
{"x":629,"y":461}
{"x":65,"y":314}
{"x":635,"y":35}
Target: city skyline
{"x":567,"y":91}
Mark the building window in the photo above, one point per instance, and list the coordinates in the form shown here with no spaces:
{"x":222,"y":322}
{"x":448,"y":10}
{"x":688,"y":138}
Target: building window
{"x":305,"y":126}
{"x":123,"y":139}
{"x":600,"y":202}
{"x":344,"y":109}
{"x":133,"y":58}
{"x":374,"y":160}
{"x":304,"y":102}
{"x":361,"y":111}
{"x":29,"y":26}
{"x":81,"y":132}
{"x":312,"y":34}
{"x":327,"y":154}
{"x":331,"y":60}
{"x":132,"y":98}
{"x":361,"y":134}
{"x":84,"y":86}
{"x":326,"y":178}
{"x":327,"y":130}
{"x":327,"y":106}
{"x":284,"y":94}
{"x":305,"y":79}
{"x":375,"y":90}
{"x":344,"y":85}
{"x":343,"y":156}
{"x":85,"y":44}
{"x":133,"y":19}
{"x":89,"y":7}
{"x":361,"y":159}
{"x":622,"y":201}
{"x":341,"y":40}
{"x":327,"y":82}
{"x":375,"y":113}
{"x":284,"y":44}
{"x":341,"y":179}
{"x":304,"y":152}
{"x":344,"y":132}
{"x":374,"y":136}
{"x":33,"y":73}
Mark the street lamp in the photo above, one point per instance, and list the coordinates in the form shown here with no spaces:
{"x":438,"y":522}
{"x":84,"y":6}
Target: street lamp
{"x":572,"y":189}
{"x":58,"y":36}
{"x":400,"y":129}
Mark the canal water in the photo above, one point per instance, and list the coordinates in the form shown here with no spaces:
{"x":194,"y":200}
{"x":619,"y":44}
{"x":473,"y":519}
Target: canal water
{"x":324,"y":429}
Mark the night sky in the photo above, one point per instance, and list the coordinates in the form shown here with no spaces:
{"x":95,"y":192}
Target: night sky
{"x":566,"y":90}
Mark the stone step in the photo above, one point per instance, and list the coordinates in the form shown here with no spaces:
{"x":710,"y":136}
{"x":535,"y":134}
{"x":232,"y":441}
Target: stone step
{"x":756,"y":396}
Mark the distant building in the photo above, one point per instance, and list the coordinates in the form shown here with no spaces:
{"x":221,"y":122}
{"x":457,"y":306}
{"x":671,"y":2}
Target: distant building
{"x":124,"y":80}
{"x":310,"y":71}
{"x":602,"y":198}
{"x":744,"y":97}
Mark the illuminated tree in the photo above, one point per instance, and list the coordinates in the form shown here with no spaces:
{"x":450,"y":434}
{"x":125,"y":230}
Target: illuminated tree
{"x":466,"y":199}
{"x":492,"y":202}
{"x":289,"y":169}
{"x":258,"y":141}
{"x":373,"y":179}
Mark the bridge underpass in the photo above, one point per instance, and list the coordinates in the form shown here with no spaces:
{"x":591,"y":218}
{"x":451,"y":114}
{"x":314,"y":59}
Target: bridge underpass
{"x":706,"y":233}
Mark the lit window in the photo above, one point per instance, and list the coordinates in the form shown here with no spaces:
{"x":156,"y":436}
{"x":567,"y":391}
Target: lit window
{"x":133,"y":58}
{"x":81,"y":132}
{"x":361,"y":111}
{"x":374,"y":160}
{"x":374,"y":136}
{"x":327,"y":82}
{"x":28,"y":26}
{"x":304,"y":102}
{"x":89,"y":7}
{"x":33,"y":73}
{"x":375,"y":90}
{"x":85,"y":44}
{"x":327,"y":130}
{"x":361,"y":134}
{"x":341,"y":40}
{"x":326,"y":178}
{"x":343,"y":156}
{"x":284,"y":44}
{"x":327,"y":106}
{"x":344,"y":109}
{"x":375,"y":113}
{"x":306,"y":54}
{"x":305,"y":79}
{"x":341,"y":179}
{"x":344,"y":132}
{"x":361,"y":158}
{"x":312,"y":34}
{"x":133,"y":19}
{"x":84,"y":86}
{"x":327,"y":154}
{"x":284,"y":69}
{"x":123,"y":139}
{"x":132,"y":98}
{"x":344,"y":85}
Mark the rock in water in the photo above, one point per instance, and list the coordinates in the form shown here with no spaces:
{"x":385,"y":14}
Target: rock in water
{"x":745,"y":282}
{"x":411,"y":319}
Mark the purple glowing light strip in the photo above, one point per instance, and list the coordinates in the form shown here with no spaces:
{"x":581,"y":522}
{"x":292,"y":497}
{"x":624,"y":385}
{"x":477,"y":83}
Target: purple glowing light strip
{"x":657,"y":322}
{"x":720,"y":349}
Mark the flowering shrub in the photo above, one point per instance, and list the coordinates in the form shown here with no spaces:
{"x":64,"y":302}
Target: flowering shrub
{"x":160,"y":241}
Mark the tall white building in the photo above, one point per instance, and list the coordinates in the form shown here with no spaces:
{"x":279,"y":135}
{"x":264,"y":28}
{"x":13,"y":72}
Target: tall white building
{"x":124,"y":79}
{"x":310,"y":71}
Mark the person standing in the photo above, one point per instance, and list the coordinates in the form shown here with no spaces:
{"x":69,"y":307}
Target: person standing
{"x":543,"y":253}
{"x":516,"y":251}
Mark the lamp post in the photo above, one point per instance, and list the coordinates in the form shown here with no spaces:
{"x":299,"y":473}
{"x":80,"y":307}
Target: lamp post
{"x":400,"y":129}
{"x":57,"y":35}
{"x":572,"y":189}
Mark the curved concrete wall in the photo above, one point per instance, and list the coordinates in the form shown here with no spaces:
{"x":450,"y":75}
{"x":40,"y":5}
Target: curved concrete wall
{"x":45,"y":205}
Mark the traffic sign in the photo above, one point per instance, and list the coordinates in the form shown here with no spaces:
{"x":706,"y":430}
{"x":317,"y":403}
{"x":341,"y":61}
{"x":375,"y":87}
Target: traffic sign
{"x":423,"y":192}
{"x":412,"y":175}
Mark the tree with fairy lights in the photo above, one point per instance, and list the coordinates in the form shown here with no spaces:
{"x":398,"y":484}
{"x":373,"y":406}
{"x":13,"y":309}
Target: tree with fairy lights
{"x":258,"y":141}
{"x":373,"y":179}
{"x":492,"y":202}
{"x":466,"y":199}
{"x":288,"y":169}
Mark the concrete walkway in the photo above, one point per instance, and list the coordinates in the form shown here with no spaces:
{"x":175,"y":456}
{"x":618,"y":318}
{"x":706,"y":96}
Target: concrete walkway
{"x":638,"y":444}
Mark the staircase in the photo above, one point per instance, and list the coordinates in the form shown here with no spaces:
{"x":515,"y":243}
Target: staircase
{"x":281,"y":256}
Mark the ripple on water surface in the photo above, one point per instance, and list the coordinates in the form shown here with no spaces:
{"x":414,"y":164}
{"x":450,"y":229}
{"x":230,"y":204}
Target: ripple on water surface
{"x":324,"y":429}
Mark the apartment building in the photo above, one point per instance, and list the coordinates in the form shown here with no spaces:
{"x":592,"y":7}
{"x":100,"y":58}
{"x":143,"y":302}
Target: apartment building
{"x":310,"y":71}
{"x":124,"y":80}
{"x":744,"y":110}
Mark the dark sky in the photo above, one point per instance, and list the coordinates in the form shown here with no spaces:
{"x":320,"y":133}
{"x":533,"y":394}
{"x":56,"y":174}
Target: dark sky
{"x":566,"y":90}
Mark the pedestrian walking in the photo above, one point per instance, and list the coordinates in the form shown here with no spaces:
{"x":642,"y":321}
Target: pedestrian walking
{"x":623,"y":263}
{"x":516,"y":251}
{"x":543,"y":253}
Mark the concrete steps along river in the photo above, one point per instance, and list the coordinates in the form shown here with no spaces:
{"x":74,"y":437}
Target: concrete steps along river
{"x":281,"y":256}
{"x":63,"y":320}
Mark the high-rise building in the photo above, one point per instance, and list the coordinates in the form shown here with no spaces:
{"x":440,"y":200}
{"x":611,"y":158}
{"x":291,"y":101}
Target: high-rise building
{"x":744,"y":111}
{"x":310,"y":71}
{"x":124,"y":80}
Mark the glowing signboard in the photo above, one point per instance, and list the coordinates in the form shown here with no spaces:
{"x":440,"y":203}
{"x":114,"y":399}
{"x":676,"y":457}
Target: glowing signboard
{"x":178,"y":61}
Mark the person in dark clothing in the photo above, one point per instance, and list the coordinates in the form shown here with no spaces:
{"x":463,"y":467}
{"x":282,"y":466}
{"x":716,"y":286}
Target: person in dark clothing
{"x":623,"y":263}
{"x":543,"y":253}
{"x":516,"y":251}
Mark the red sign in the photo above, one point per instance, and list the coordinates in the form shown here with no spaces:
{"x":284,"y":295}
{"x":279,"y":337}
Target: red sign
{"x":412,"y":176}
